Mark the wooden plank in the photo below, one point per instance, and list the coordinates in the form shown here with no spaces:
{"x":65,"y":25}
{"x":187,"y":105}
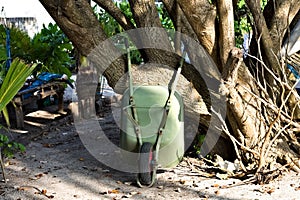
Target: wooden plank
{"x":19,"y":116}
{"x":40,"y":92}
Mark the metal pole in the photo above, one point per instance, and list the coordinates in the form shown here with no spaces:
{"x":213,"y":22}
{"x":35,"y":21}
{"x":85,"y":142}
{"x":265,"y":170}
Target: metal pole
{"x":131,"y":98}
{"x":8,"y":52}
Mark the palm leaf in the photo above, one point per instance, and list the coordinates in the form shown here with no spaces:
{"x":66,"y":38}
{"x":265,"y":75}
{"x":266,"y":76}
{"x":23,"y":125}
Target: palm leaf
{"x":6,"y":116}
{"x":13,"y":82}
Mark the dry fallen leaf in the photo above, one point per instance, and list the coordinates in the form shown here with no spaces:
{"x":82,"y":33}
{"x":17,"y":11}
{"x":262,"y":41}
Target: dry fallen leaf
{"x":6,"y":164}
{"x":44,"y":192}
{"x":113,"y":191}
{"x":103,"y":193}
{"x":270,"y":190}
{"x":222,"y":176}
{"x":47,"y":145}
{"x":204,"y":196}
{"x":134,"y":193}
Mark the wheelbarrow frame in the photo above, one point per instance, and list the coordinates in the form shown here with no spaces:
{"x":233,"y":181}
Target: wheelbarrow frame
{"x":149,"y":151}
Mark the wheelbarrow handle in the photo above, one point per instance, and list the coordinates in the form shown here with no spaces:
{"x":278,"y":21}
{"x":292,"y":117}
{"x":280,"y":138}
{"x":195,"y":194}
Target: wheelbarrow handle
{"x":126,"y":42}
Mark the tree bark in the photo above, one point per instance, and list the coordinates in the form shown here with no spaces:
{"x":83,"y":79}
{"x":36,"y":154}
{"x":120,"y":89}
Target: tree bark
{"x":145,"y":15}
{"x":186,"y":28}
{"x":226,"y":27}
{"x":201,"y":15}
{"x":243,"y":110}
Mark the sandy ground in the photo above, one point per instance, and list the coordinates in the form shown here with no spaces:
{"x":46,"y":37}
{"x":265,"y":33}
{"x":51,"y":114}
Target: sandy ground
{"x":56,"y":165}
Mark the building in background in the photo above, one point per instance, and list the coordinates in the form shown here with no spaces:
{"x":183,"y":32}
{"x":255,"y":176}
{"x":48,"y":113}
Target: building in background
{"x":27,"y":24}
{"x":27,"y":15}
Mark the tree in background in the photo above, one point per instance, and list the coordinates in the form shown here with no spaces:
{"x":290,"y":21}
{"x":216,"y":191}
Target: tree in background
{"x":50,"y":48}
{"x":262,"y":117}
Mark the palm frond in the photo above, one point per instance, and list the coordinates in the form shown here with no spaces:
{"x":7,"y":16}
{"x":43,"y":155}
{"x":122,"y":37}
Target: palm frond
{"x":13,"y":82}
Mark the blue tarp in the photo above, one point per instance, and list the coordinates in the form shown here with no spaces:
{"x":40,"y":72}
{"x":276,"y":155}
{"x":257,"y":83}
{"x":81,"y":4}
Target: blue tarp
{"x":43,"y":78}
{"x":297,"y":76}
{"x":293,"y":70}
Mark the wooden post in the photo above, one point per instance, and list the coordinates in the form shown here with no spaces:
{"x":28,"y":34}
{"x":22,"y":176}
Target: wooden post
{"x":18,"y":112}
{"x":60,"y":96}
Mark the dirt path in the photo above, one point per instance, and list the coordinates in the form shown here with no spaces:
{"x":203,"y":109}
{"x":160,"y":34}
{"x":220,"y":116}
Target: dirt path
{"x":56,"y":165}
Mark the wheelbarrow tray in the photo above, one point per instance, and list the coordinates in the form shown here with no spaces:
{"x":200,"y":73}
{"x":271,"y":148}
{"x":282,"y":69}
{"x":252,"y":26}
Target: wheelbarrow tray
{"x":149,"y":104}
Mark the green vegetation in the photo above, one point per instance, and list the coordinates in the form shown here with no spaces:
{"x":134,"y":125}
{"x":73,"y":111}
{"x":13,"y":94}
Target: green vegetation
{"x":48,"y":51}
{"x":8,"y":148}
{"x":12,"y":83}
{"x":53,"y":50}
{"x":50,"y":48}
{"x":243,"y":21}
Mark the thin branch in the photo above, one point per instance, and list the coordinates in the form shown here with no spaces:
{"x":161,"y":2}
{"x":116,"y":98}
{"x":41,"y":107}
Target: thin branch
{"x":2,"y":167}
{"x":234,"y":140}
{"x":263,"y":64}
{"x":285,"y":117}
{"x":264,"y":152}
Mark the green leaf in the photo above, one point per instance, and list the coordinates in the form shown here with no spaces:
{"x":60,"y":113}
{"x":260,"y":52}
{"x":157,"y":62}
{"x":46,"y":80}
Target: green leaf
{"x":13,"y":82}
{"x":6,"y":116}
{"x":21,"y":147}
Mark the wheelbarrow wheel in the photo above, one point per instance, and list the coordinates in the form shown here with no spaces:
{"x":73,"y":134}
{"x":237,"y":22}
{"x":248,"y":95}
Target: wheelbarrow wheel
{"x":145,"y":164}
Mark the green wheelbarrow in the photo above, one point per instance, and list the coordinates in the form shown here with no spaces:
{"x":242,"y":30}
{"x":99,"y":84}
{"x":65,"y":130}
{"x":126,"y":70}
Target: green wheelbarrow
{"x":152,"y":125}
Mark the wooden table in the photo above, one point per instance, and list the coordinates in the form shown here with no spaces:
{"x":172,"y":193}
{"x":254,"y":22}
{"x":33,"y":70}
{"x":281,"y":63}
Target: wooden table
{"x":27,"y":96}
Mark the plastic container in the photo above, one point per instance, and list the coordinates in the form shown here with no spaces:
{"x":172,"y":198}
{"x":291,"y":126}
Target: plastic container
{"x":149,"y":103}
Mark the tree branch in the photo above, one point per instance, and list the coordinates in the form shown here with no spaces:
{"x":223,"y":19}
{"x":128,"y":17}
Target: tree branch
{"x":282,"y":13}
{"x":186,"y":28}
{"x":226,"y":27}
{"x":116,"y":13}
{"x":263,"y":31}
{"x":145,"y":15}
{"x":201,"y":15}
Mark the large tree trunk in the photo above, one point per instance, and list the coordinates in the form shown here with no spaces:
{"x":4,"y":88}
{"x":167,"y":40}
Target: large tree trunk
{"x":80,"y":24}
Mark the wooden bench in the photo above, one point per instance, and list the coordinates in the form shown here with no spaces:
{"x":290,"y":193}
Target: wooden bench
{"x":28,"y":96}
